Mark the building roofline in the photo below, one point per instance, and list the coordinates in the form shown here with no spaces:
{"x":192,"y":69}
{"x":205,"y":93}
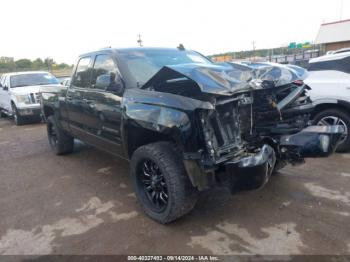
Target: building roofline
{"x":336,"y":22}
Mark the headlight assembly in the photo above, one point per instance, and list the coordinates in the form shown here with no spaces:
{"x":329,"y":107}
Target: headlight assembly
{"x":24,"y":99}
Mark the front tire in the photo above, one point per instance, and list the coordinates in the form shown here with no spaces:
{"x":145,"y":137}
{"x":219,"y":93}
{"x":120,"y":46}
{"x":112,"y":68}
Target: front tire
{"x":60,"y":141}
{"x":336,"y":117}
{"x":18,"y":119}
{"x":161,"y":183}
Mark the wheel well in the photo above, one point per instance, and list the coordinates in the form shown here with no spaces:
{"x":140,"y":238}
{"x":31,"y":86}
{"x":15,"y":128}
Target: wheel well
{"x":139,"y":136}
{"x":48,"y":111}
{"x":322,"y":107}
{"x":13,"y":105}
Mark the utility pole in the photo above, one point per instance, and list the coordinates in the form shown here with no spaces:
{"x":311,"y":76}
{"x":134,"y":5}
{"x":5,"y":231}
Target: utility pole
{"x":139,"y":40}
{"x":253,"y":43}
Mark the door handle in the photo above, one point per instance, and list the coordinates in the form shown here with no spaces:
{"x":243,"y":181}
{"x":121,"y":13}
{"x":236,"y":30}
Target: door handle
{"x":87,"y":101}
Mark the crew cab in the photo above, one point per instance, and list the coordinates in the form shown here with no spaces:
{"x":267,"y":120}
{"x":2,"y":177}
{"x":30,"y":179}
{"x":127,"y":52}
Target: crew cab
{"x":19,"y":94}
{"x":184,"y":123}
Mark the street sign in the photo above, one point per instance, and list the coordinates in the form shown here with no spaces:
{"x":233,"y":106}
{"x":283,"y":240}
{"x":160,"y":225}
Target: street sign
{"x":294,"y":45}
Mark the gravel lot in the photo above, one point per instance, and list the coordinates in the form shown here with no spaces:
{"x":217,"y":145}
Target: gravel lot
{"x":84,"y":203}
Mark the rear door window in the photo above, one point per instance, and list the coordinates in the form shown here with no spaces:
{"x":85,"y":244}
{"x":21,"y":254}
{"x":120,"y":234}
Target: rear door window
{"x":342,"y":65}
{"x":82,"y":74}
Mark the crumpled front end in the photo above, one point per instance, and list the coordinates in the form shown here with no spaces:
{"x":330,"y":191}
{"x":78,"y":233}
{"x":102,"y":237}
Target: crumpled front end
{"x":254,"y":171}
{"x":248,"y":131}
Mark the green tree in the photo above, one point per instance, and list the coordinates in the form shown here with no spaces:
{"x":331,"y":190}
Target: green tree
{"x":23,"y":64}
{"x":38,"y":64}
{"x":62,"y":66}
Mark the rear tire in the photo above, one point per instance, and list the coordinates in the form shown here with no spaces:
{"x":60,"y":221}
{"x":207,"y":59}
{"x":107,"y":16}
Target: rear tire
{"x":173,"y":196}
{"x":60,"y":141}
{"x":336,"y":116}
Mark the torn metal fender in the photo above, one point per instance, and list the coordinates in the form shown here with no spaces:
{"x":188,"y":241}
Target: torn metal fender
{"x":167,"y":114}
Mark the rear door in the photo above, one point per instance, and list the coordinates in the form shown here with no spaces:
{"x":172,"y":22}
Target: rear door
{"x":75,"y":97}
{"x":103,"y":100}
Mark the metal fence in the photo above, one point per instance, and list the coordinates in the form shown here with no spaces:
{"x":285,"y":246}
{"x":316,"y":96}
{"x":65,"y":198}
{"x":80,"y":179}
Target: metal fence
{"x":300,"y":59}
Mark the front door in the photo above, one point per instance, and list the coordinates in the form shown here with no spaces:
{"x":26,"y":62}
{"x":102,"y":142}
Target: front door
{"x":103,"y":104}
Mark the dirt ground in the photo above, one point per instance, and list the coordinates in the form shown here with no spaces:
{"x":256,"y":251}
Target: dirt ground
{"x":83,"y":203}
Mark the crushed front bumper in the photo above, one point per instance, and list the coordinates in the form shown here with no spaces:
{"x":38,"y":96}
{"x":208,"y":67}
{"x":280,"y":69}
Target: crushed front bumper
{"x":313,"y":141}
{"x":251,"y":172}
{"x":254,"y":171}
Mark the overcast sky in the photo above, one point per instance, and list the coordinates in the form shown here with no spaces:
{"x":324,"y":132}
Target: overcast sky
{"x":63,"y":29}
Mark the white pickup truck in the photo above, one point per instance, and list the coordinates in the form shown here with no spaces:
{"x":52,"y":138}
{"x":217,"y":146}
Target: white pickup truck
{"x":19,"y":94}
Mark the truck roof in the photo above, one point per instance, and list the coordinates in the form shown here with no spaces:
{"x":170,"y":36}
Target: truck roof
{"x":115,"y":50}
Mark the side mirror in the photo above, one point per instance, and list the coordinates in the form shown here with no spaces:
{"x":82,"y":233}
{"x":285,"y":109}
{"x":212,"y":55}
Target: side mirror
{"x":103,"y":81}
{"x":5,"y":88}
{"x":110,"y":82}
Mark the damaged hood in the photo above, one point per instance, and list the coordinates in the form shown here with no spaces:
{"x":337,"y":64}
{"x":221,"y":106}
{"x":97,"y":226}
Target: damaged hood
{"x":224,"y":79}
{"x":214,"y":79}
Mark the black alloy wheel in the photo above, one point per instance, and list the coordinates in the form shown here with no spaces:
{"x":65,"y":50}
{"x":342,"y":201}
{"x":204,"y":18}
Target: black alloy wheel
{"x":161,"y":183}
{"x":151,"y":182}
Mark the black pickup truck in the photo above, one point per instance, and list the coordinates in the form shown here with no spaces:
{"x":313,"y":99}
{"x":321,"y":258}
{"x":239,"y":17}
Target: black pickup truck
{"x":185,"y":123}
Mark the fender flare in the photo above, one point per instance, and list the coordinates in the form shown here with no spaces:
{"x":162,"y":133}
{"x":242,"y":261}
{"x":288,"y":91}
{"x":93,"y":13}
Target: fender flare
{"x":337,"y":102}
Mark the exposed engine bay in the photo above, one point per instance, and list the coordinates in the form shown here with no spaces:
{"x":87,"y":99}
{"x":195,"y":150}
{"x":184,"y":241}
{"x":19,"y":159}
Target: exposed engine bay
{"x":257,"y":122}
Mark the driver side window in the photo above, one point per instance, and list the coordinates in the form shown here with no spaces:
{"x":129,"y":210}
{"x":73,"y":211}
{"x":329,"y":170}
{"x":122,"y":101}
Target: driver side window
{"x":104,"y":74}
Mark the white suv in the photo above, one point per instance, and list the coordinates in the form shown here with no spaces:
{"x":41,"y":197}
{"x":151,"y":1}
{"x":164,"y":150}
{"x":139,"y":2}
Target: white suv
{"x":329,"y":79}
{"x":19,"y":94}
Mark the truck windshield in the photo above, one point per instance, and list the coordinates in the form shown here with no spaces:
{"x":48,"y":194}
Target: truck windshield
{"x":32,"y":80}
{"x":143,"y":64}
